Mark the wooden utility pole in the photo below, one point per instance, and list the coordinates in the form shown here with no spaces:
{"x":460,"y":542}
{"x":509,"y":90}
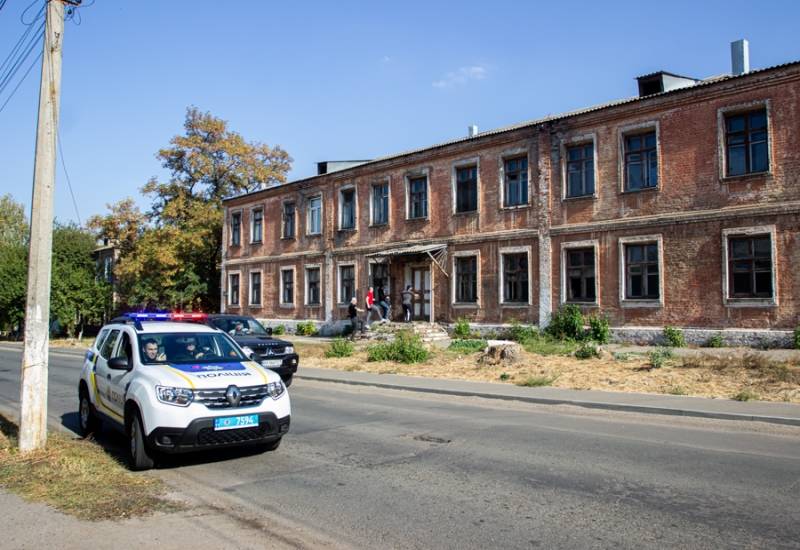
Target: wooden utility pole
{"x":33,"y":392}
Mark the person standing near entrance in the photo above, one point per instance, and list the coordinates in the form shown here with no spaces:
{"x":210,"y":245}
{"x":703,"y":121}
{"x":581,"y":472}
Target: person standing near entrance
{"x":407,"y":298}
{"x":352,"y":313}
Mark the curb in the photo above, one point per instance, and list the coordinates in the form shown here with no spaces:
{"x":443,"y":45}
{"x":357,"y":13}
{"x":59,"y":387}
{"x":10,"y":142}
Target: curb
{"x":786,"y":421}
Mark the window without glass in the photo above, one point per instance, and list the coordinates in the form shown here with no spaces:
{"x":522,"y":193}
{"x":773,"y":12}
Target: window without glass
{"x":258,"y":225}
{"x":315,"y":216}
{"x":418,"y":197}
{"x":312,"y":286}
{"x":515,"y":278}
{"x":467,"y":189}
{"x":467,"y":279}
{"x":287,"y":286}
{"x":236,"y":228}
{"x":580,"y":170}
{"x":516,"y":181}
{"x":233,"y":298}
{"x":380,"y":276}
{"x":747,"y":143}
{"x":641,"y":271}
{"x":255,"y":289}
{"x":641,"y":161}
{"x":347,"y":283}
{"x":750,"y":267}
{"x":380,"y":204}
{"x":580,"y":275}
{"x":348,"y":206}
{"x":288,"y":220}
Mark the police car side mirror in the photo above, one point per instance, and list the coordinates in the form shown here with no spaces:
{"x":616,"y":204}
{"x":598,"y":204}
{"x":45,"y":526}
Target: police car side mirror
{"x":118,"y":363}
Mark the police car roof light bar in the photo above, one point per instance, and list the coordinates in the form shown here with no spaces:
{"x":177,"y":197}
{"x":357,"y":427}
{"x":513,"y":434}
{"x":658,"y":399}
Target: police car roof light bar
{"x":189,"y":316}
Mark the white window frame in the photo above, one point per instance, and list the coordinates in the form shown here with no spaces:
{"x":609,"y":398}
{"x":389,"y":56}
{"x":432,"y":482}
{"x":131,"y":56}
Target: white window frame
{"x":509,"y":154}
{"x":633,"y":129}
{"x":230,"y":226}
{"x":230,"y":291}
{"x":574,"y":141}
{"x":385,"y":181}
{"x":340,"y":215}
{"x":253,"y":210}
{"x":500,"y":294}
{"x":283,"y":218}
{"x":623,"y":275}
{"x":321,"y":214}
{"x":339,"y":266}
{"x":572,"y":245}
{"x":722,"y":149}
{"x":250,"y":288}
{"x":306,"y":269}
{"x":414,"y":174}
{"x":465,"y":163}
{"x":293,"y":303}
{"x":453,"y":291}
{"x":746,"y":232}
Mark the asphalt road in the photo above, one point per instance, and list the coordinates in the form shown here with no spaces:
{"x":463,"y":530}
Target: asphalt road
{"x":372,"y":468}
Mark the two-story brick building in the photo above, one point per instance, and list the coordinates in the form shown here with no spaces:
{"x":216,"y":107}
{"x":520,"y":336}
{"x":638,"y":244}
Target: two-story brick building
{"x":678,"y":207}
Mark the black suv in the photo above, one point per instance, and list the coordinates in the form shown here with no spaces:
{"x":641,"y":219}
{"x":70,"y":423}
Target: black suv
{"x":277,"y":355}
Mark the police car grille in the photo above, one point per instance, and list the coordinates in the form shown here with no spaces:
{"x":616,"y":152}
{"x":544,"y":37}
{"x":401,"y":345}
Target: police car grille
{"x":207,"y":436}
{"x":215,"y":398}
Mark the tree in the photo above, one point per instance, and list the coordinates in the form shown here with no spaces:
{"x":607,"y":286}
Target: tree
{"x":123,"y":226}
{"x":13,"y":225}
{"x":13,"y":263}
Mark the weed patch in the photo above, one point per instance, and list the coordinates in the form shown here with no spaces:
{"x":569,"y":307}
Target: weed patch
{"x":567,"y":323}
{"x":599,"y":330}
{"x":306,"y":328}
{"x":537,"y":381}
{"x":340,"y":348}
{"x":673,"y":337}
{"x":467,"y":346}
{"x":278,"y":330}
{"x":461,"y":328}
{"x":587,"y":350}
{"x":715,"y":341}
{"x":406,"y":348}
{"x":745,"y":395}
{"x":659,"y":357}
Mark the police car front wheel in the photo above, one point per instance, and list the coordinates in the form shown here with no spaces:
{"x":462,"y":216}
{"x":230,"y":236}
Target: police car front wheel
{"x":89,"y":423}
{"x":140,"y":458}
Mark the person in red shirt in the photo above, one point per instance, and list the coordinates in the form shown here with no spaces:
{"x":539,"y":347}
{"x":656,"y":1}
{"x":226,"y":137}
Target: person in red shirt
{"x":371,"y":307}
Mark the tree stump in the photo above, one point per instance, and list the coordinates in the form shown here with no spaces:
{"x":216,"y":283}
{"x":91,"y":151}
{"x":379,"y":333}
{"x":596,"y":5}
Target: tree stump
{"x":503,"y":352}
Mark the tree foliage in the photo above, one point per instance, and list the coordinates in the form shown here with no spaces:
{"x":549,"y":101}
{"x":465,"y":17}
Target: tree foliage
{"x":13,"y":224}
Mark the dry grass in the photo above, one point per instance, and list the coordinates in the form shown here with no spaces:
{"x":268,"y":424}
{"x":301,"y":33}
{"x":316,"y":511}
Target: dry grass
{"x":77,"y":477}
{"x":706,"y":376}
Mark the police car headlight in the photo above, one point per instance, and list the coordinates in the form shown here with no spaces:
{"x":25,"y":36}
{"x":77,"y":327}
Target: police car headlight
{"x":276,"y":389}
{"x":288,"y":349}
{"x":181,"y":397}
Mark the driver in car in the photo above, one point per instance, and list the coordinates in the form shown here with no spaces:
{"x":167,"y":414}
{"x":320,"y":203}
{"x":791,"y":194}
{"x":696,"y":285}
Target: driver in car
{"x":238,"y":329}
{"x":151,"y":354}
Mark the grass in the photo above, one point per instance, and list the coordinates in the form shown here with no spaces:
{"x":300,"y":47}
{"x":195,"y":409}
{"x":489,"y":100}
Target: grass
{"x":769,"y":369}
{"x":547,"y":345}
{"x":77,"y":477}
{"x":538,"y":381}
{"x":467,"y":346}
{"x":659,"y":357}
{"x":340,"y":348}
{"x":677,"y":390}
{"x":406,"y":348}
{"x":745,"y":395}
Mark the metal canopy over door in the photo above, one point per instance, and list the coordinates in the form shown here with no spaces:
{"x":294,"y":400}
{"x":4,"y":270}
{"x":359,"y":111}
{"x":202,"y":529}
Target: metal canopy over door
{"x":421,"y":282}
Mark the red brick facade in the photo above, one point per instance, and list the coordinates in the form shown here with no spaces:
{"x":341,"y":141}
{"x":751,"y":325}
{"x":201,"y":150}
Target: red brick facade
{"x":692,"y":218}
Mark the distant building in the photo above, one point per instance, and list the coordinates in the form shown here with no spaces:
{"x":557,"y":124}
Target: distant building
{"x":106,"y":255}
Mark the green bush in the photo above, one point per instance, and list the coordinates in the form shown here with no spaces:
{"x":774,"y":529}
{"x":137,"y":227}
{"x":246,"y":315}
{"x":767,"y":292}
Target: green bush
{"x":406,"y":348}
{"x":522,"y":333}
{"x":537,"y":381}
{"x":674,"y":337}
{"x":504,"y":376}
{"x":745,"y":395}
{"x":567,"y":323}
{"x":461,"y":328}
{"x":467,"y":346}
{"x":278,"y":330}
{"x":797,"y":337}
{"x":659,"y":357}
{"x":306,"y":328}
{"x":340,"y":348}
{"x":599,"y":330}
{"x":715,"y":341}
{"x":587,"y":350}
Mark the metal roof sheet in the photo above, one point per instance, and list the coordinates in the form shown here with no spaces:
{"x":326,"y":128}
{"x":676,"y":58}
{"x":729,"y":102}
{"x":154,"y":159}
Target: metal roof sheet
{"x":403,"y":250}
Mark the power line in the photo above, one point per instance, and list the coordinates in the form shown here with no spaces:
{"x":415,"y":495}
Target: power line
{"x":20,"y":82}
{"x":69,"y":182}
{"x":6,"y":79}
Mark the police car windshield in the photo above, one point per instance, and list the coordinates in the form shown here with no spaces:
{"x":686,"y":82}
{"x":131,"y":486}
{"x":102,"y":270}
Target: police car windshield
{"x":187,"y":347}
{"x":239,"y":326}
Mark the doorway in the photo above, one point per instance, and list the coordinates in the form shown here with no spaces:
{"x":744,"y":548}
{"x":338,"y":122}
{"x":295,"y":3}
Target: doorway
{"x":421,"y":282}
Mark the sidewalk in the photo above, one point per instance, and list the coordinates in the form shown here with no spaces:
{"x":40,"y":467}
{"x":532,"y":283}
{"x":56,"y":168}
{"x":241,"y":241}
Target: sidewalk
{"x":725,"y":409}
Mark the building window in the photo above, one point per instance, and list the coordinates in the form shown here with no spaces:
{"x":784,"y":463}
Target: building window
{"x":580,"y":275}
{"x":467,"y":189}
{"x":467,"y":279}
{"x":580,"y":170}
{"x":255,"y":289}
{"x":515,"y":278}
{"x":347,"y":205}
{"x":236,"y":228}
{"x":287,"y":286}
{"x":641,"y":271}
{"x":233,"y":289}
{"x":258,"y":225}
{"x":418,"y":197}
{"x":379,"y":276}
{"x":315,"y":216}
{"x":288,"y":220}
{"x":746,"y":143}
{"x":312,"y":286}
{"x":641,"y":161}
{"x":347,"y":283}
{"x":516,"y":182}
{"x":750,"y":267}
{"x":380,"y":204}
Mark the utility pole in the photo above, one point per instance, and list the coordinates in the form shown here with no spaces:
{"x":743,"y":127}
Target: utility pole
{"x":33,"y":391}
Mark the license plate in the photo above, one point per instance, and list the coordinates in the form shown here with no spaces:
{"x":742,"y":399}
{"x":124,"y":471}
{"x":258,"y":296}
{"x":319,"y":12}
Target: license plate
{"x":234,"y":422}
{"x":272,"y":363}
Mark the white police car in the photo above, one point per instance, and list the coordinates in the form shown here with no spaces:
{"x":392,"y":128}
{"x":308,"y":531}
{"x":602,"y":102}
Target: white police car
{"x":174,"y":387}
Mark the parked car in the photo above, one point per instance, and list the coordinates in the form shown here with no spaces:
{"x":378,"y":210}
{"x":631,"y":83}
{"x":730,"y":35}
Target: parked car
{"x":174,"y":387}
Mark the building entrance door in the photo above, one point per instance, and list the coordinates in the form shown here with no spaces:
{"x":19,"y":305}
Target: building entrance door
{"x":421,"y":281}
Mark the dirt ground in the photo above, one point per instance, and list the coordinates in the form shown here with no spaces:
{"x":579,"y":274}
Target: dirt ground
{"x":728,"y":374}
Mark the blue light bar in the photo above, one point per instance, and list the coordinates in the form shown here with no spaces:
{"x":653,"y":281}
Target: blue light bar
{"x":149,"y":316}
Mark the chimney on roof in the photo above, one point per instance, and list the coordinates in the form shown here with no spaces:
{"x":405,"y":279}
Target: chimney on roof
{"x":740,"y":57}
{"x":472,"y":130}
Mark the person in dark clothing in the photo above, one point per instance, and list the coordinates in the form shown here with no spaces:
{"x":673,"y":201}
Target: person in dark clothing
{"x":383,"y":303}
{"x":352,"y":313}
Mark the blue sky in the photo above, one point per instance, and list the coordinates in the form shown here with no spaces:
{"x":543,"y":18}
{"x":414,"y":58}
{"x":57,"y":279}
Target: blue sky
{"x":349,"y":80}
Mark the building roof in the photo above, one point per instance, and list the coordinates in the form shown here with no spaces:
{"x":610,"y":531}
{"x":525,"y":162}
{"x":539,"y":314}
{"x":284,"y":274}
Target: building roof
{"x":536,"y":122}
{"x":403,"y":250}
